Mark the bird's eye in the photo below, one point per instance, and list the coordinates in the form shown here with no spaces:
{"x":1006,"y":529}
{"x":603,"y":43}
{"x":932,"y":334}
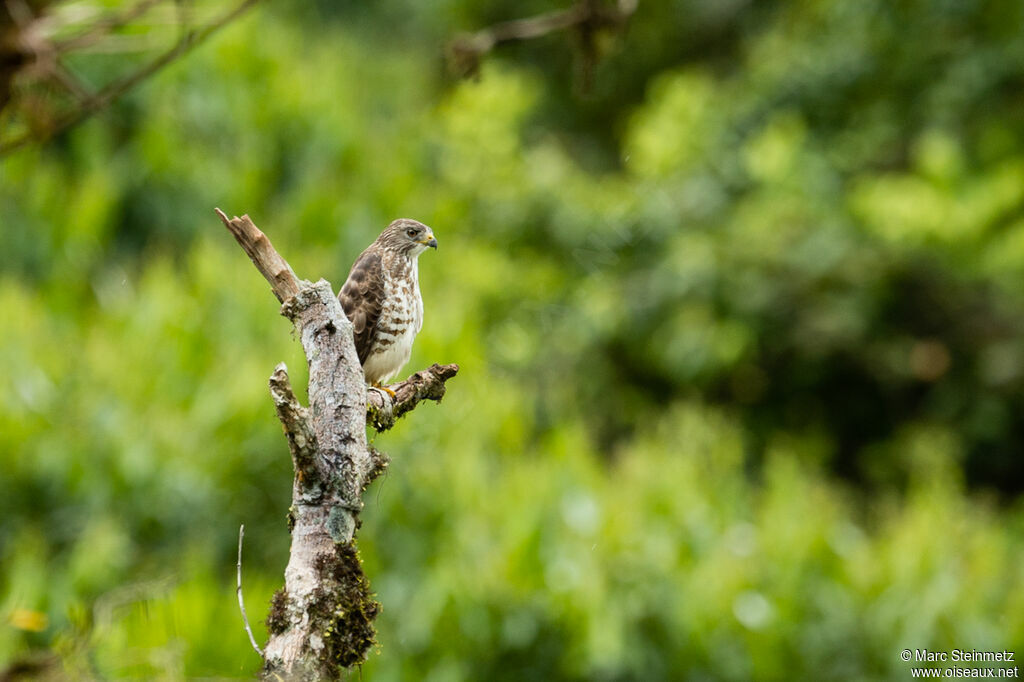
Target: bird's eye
{"x":411,"y":233}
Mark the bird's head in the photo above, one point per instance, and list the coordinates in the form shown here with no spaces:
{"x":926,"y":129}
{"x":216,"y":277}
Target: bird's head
{"x":408,"y":237}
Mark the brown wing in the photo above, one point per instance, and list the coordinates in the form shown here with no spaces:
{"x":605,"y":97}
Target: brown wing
{"x":362,"y":299}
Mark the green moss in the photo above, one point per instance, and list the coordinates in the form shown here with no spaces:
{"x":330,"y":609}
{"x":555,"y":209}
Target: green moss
{"x":277,"y":618}
{"x":378,"y":419}
{"x":346,"y":606}
{"x":380,"y":464}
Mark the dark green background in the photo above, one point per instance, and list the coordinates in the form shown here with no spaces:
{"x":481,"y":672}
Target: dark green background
{"x":741,"y":330}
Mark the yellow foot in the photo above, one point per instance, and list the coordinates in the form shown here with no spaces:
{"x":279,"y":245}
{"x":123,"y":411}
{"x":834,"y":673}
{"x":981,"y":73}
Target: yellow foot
{"x":385,"y":389}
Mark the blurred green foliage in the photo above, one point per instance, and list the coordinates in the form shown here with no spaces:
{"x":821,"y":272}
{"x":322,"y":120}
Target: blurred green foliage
{"x":740,"y":330}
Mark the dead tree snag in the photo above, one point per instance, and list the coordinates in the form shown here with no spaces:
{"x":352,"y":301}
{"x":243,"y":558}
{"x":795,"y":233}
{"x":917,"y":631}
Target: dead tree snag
{"x":321,"y":621}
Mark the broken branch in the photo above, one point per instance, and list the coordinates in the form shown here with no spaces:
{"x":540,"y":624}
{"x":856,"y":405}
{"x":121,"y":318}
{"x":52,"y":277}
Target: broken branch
{"x":382,"y":411}
{"x":263,"y":255}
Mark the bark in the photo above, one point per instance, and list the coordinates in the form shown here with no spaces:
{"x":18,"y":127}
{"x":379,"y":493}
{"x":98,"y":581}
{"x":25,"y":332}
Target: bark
{"x":382,"y":411}
{"x":321,"y":621}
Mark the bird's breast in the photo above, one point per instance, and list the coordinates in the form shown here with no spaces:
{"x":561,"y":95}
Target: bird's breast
{"x":400,"y":320}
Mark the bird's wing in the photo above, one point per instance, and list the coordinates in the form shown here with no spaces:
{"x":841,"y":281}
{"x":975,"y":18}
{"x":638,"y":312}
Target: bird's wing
{"x":362,"y":299}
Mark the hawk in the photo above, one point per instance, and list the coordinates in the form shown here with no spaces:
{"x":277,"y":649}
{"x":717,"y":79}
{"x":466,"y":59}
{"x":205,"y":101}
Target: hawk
{"x":381,"y":298}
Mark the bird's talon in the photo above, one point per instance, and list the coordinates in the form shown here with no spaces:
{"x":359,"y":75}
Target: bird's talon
{"x":387,"y":390}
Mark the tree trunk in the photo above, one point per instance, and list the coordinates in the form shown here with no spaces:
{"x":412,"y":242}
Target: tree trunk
{"x":321,"y":621}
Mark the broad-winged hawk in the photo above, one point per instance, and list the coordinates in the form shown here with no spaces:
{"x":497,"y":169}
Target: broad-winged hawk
{"x":382,"y":298}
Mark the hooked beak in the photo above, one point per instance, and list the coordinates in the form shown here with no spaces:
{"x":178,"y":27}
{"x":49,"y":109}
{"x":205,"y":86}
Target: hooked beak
{"x":430,"y":241}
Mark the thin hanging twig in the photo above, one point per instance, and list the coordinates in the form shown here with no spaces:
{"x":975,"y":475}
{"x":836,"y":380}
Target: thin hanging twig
{"x":241,"y":602}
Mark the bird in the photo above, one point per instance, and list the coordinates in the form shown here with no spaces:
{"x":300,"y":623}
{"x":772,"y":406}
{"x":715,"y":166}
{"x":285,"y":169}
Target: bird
{"x":381,"y":298}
